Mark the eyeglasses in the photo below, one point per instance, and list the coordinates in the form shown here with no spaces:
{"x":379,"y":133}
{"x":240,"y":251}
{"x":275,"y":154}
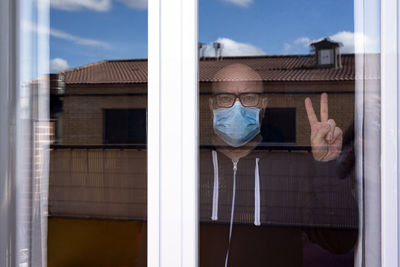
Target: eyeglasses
{"x":226,"y":100}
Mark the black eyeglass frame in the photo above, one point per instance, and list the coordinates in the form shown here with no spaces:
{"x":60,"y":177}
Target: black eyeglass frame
{"x":237,"y":96}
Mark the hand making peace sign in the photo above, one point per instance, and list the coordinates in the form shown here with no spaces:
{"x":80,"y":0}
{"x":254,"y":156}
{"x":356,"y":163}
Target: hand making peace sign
{"x":326,"y":139}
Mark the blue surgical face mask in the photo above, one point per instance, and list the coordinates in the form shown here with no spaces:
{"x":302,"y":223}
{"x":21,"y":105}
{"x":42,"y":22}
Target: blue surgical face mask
{"x":237,"y":125}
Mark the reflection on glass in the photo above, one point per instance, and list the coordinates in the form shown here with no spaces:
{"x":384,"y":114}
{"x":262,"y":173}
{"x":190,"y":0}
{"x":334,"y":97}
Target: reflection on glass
{"x":277,"y":160}
{"x":98,"y":109}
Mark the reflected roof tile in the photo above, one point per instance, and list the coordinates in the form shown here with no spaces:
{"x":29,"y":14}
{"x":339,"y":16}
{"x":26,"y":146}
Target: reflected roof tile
{"x":287,"y":68}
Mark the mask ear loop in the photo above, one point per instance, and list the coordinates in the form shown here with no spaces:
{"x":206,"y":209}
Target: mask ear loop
{"x":214,"y":215}
{"x":257,"y":195}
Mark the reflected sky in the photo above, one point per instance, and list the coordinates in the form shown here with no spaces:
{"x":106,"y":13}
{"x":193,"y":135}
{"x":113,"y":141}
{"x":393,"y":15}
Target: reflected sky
{"x":84,"y":32}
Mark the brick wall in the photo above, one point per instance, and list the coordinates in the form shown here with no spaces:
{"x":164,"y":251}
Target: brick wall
{"x":82,"y":122}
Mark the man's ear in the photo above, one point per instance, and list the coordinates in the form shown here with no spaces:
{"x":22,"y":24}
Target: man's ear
{"x":264,"y":103}
{"x":210,"y":103}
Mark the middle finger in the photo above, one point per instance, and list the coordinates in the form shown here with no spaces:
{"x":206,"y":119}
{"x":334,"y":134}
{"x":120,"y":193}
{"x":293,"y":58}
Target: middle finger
{"x":324,"y":107}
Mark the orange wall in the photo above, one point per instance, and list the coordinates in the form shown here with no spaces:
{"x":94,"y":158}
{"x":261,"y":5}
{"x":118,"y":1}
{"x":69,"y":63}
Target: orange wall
{"x":78,"y":242}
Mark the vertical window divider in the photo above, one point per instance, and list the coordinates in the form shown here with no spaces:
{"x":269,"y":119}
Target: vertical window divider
{"x":24,"y":106}
{"x":390,"y":131}
{"x":368,"y":132}
{"x":172,"y":134}
{"x":8,"y":81}
{"x":153,"y":134}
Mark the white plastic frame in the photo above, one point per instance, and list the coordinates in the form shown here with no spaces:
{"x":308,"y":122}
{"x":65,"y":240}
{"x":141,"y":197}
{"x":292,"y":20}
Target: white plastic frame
{"x":390,"y":131}
{"x":172,"y":137}
{"x":24,"y":55}
{"x":8,"y":81}
{"x":172,"y":134}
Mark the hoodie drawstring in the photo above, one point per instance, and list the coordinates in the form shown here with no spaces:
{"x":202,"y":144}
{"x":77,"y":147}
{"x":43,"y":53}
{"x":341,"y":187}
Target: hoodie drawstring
{"x":257,"y":195}
{"x":214,"y":215}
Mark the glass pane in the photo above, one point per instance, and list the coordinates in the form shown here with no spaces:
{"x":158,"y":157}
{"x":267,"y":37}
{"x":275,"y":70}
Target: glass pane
{"x":289,"y":180}
{"x":98,"y":111}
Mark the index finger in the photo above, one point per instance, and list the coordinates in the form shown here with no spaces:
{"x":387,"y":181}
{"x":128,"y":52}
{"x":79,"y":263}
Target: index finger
{"x":324,"y":107}
{"x":312,"y":118}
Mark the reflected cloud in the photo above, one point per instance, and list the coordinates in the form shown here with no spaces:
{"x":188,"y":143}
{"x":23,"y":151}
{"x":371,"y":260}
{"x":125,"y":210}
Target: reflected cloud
{"x":241,"y":3}
{"x":75,"y":5}
{"x":98,"y":5}
{"x":287,"y":47}
{"x":346,"y":38}
{"x":233,"y":48}
{"x":303,"y":41}
{"x":77,"y":39}
{"x":65,"y":36}
{"x":301,"y":45}
{"x":58,"y":64}
{"x":137,"y":4}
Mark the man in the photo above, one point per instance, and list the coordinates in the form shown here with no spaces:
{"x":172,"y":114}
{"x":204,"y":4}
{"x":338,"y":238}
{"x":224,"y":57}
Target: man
{"x":232,"y":231}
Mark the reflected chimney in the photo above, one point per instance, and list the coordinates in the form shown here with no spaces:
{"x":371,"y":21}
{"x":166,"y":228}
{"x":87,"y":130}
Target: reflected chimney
{"x":202,"y":48}
{"x":327,"y":53}
{"x":57,"y":90}
{"x":218,"y":50}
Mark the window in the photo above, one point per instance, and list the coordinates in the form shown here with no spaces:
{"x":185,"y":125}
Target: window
{"x":326,"y":57}
{"x":295,"y":204}
{"x":173,"y":156}
{"x":125,"y":126}
{"x":279,"y":125}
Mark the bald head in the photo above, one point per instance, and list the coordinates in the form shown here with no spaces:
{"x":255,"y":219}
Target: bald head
{"x":237,"y":79}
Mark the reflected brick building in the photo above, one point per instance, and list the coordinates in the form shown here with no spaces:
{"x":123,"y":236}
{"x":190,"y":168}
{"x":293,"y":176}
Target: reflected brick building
{"x":98,"y":164}
{"x":98,"y":93}
{"x":98,"y":161}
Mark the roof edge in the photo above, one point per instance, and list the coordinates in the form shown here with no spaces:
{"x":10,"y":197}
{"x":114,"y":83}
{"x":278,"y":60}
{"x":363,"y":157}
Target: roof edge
{"x":201,"y":59}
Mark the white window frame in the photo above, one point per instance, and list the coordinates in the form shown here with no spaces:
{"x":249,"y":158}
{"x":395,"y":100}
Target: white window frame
{"x":8,"y":81}
{"x":24,"y":55}
{"x":390,"y":118}
{"x":173,"y":132}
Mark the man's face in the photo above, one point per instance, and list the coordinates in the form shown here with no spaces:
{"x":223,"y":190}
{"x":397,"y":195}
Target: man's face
{"x":237,"y":123}
{"x":238,"y":79}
